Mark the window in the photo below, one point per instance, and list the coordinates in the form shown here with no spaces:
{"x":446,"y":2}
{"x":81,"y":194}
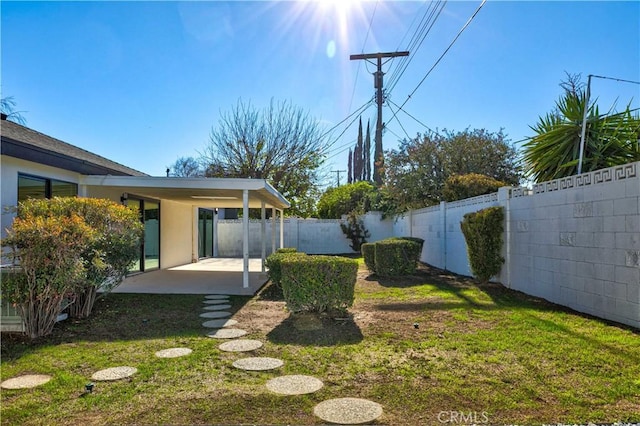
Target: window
{"x":38,"y":187}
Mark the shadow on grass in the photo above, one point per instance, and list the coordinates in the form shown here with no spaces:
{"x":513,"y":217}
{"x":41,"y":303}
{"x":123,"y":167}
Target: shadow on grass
{"x":316,"y":330}
{"x":125,"y":316}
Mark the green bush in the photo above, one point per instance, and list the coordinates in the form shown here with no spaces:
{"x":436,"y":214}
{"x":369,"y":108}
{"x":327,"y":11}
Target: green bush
{"x":414,"y":239}
{"x":483,"y":233}
{"x":355,"y":231}
{"x":369,"y":254}
{"x":48,"y":250}
{"x":108,"y":258}
{"x":460,"y":187}
{"x":319,"y":283}
{"x":396,"y":257}
{"x":341,"y":200}
{"x":274,"y":263}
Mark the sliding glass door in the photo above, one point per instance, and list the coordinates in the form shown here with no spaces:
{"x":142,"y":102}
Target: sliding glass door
{"x":205,"y":233}
{"x":149,"y":211}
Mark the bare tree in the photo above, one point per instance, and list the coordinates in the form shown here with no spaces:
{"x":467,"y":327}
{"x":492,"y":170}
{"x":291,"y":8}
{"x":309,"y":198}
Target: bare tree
{"x":186,"y":167}
{"x":280,"y":143}
{"x":8,"y":108}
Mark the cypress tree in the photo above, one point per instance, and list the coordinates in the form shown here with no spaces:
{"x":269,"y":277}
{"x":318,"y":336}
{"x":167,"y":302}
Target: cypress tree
{"x":367,"y":154}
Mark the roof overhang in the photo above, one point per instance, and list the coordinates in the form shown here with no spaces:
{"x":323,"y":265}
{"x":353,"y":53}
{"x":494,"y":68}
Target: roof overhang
{"x":200,"y":192}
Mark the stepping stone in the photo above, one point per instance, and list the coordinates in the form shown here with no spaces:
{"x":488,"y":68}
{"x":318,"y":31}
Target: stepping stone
{"x":240,"y":345}
{"x":173,"y":352}
{"x":348,"y":411}
{"x":227,"y":333}
{"x":216,"y":307}
{"x":114,"y":373}
{"x":219,"y":314}
{"x":215,"y":302}
{"x":216,"y":297}
{"x":219,"y":323}
{"x":296,"y":384}
{"x":258,"y":363}
{"x":25,"y":382}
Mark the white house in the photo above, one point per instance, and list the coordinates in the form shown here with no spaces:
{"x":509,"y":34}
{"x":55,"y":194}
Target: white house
{"x":179,"y":214}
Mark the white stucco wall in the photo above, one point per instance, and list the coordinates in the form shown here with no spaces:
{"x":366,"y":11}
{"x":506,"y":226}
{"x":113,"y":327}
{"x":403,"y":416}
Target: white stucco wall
{"x":176,"y":234}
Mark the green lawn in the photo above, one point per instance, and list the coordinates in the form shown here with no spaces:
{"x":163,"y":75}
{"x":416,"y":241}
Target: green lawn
{"x":483,"y":350}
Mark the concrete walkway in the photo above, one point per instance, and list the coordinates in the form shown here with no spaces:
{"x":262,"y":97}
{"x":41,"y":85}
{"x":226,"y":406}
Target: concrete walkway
{"x":209,"y":276}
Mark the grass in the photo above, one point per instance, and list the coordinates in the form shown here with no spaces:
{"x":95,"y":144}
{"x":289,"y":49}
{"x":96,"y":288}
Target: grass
{"x":477,"y":349}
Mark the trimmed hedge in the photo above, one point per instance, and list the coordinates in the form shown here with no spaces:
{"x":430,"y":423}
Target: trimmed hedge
{"x":318,"y":283}
{"x":274,"y":263}
{"x":369,"y":254}
{"x":483,"y":233}
{"x":414,"y":239}
{"x":395,"y":257}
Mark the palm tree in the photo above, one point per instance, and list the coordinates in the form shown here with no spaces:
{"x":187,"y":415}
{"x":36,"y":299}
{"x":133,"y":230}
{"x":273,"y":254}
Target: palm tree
{"x":611,"y":139}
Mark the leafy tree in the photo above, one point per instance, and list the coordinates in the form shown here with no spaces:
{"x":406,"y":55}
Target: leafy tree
{"x":344,"y":199}
{"x":553,"y":152}
{"x":280,"y":143}
{"x":186,"y":167}
{"x":8,"y":108}
{"x":459,"y":187}
{"x":415,"y":173}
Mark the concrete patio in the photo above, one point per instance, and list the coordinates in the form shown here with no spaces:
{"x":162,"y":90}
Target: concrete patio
{"x":209,"y":276}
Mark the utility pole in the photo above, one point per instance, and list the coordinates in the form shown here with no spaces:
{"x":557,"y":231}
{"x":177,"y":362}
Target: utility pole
{"x":337,"y":172}
{"x":378,"y":159}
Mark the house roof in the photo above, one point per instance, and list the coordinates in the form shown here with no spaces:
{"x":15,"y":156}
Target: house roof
{"x":27,"y":144}
{"x":198,"y":192}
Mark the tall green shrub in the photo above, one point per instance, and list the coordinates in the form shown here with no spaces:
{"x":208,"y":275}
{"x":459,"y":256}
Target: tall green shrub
{"x":319,"y":283}
{"x":48,"y":250}
{"x":483,"y":233}
{"x":459,"y":187}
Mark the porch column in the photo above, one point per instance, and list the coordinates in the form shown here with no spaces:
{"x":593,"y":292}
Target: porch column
{"x":281,"y":228}
{"x":263,"y":232}
{"x":245,"y":238}
{"x":273,"y":229}
{"x":215,"y":232}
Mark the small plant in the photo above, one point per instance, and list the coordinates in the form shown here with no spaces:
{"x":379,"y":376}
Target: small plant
{"x":319,"y":283}
{"x":355,"y":231}
{"x":483,"y":233}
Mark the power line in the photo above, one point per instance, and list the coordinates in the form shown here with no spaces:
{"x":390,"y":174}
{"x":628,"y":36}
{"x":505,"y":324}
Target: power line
{"x":398,"y":120}
{"x":464,"y":27}
{"x":345,"y":129}
{"x":418,"y":121}
{"x":615,"y":79}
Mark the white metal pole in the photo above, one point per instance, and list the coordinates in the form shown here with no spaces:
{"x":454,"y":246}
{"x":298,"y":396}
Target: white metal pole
{"x":245,"y":238}
{"x":584,"y":124}
{"x":263,"y":232}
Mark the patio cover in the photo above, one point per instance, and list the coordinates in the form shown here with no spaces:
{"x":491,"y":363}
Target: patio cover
{"x":206,"y":192}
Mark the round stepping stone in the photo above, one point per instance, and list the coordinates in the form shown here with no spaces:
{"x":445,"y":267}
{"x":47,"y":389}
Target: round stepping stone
{"x":215,"y":302}
{"x":219,"y":314}
{"x":296,"y":384}
{"x":26,"y":381}
{"x":240,"y":345}
{"x":173,"y":352}
{"x":216,"y":307}
{"x":219,"y":323}
{"x":216,"y":297}
{"x":227,"y":333}
{"x":114,"y":373}
{"x":348,"y":411}
{"x":258,"y":363}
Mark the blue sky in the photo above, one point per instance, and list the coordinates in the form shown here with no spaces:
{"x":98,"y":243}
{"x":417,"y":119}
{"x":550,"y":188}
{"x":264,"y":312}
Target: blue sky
{"x":142,"y":83}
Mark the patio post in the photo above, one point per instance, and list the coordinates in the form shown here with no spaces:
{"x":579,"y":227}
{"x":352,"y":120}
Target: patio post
{"x":281,"y":228}
{"x":263,"y":232}
{"x":245,"y":238}
{"x":273,"y":229}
